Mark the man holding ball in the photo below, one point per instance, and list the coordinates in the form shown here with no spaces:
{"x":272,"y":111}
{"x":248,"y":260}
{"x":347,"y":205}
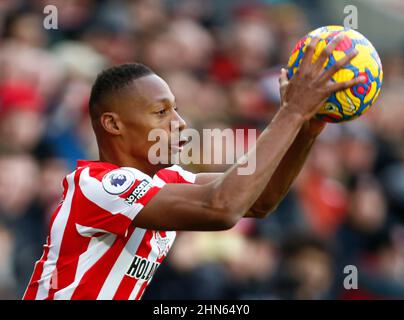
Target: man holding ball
{"x":118,"y":215}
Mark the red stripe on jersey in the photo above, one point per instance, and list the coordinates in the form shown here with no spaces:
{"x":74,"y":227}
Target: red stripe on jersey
{"x":141,"y":290}
{"x":172,"y":176}
{"x":92,"y":215}
{"x":168,"y":176}
{"x":149,"y":195}
{"x":98,"y":172}
{"x":182,"y":180}
{"x":92,"y":282}
{"x":96,"y":164}
{"x":128,"y":283}
{"x":30,"y":293}
{"x":145,"y":284}
{"x":72,"y":246}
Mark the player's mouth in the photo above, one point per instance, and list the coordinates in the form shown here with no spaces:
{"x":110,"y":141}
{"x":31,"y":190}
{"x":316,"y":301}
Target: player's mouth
{"x":178,"y":147}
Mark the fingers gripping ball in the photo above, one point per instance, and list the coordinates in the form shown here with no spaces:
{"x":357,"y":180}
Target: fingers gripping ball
{"x":350,"y":103}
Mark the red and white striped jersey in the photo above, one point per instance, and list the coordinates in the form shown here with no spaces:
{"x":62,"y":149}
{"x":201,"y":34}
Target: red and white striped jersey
{"x":93,"y":250}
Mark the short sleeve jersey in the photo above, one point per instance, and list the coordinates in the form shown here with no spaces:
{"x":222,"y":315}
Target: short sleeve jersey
{"x":93,"y":250}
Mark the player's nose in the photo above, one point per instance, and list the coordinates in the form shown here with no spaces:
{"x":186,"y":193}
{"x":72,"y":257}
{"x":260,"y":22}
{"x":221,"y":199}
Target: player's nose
{"x":179,"y":121}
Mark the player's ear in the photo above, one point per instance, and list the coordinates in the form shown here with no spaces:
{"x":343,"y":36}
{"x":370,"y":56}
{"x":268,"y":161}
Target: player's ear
{"x":111,"y":123}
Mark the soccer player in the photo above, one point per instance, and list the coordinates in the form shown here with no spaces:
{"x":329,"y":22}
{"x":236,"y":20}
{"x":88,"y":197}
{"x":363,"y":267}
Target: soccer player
{"x":118,"y":216}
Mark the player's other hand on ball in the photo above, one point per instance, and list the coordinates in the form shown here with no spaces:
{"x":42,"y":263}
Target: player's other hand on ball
{"x":311,"y":85}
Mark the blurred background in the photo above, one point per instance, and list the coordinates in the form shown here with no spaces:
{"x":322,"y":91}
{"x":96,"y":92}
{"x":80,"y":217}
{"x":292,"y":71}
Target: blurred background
{"x":222,"y":60}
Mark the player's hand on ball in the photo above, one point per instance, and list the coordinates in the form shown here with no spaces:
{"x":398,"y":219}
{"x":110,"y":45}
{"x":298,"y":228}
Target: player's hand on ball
{"x":312,"y":127}
{"x":311,"y":85}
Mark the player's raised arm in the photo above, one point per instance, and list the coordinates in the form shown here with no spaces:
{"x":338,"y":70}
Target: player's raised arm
{"x":222,"y":202}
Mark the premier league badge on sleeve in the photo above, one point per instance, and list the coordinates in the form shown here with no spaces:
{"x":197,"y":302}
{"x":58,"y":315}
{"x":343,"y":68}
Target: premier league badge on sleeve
{"x":118,"y":181}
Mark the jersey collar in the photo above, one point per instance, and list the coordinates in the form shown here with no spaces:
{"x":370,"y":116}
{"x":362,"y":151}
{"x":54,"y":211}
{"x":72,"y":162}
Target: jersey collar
{"x":86,"y":163}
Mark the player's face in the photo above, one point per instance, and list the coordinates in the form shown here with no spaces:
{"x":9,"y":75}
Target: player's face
{"x":152,"y":109}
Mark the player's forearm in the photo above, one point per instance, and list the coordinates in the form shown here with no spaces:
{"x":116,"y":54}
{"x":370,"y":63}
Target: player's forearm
{"x":284,"y":175}
{"x":237,"y":193}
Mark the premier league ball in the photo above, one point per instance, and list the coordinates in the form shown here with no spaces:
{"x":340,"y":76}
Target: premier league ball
{"x":346,"y":104}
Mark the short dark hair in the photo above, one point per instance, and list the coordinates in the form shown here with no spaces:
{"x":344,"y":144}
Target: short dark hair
{"x":114,"y":79}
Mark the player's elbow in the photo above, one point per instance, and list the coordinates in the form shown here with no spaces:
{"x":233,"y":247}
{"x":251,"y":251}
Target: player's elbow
{"x":265,"y":211}
{"x":269,"y":205}
{"x":223,"y":217}
{"x":227,"y":222}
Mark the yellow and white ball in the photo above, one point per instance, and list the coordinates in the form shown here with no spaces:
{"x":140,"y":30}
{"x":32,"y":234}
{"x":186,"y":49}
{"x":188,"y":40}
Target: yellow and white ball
{"x":346,"y":104}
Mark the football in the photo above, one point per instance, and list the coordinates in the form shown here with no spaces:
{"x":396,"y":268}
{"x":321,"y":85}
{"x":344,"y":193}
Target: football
{"x":351,"y":103}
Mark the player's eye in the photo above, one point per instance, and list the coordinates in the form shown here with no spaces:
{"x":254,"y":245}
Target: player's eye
{"x":162,"y":112}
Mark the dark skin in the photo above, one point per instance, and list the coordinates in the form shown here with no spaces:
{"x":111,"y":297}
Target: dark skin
{"x":287,"y":170}
{"x":219,"y":201}
{"x":122,"y":132}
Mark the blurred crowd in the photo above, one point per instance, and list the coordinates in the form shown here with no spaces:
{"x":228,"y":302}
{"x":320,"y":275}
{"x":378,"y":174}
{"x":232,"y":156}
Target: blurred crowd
{"x":222,"y":60}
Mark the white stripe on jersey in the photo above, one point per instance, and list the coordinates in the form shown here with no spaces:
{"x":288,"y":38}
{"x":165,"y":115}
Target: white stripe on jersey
{"x":188,"y":176}
{"x":94,"y":191}
{"x":57,"y":232}
{"x":139,"y":175}
{"x":97,"y":247}
{"x":88,"y":231}
{"x":153,"y":256}
{"x":158,"y":181}
{"x":116,"y":275}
